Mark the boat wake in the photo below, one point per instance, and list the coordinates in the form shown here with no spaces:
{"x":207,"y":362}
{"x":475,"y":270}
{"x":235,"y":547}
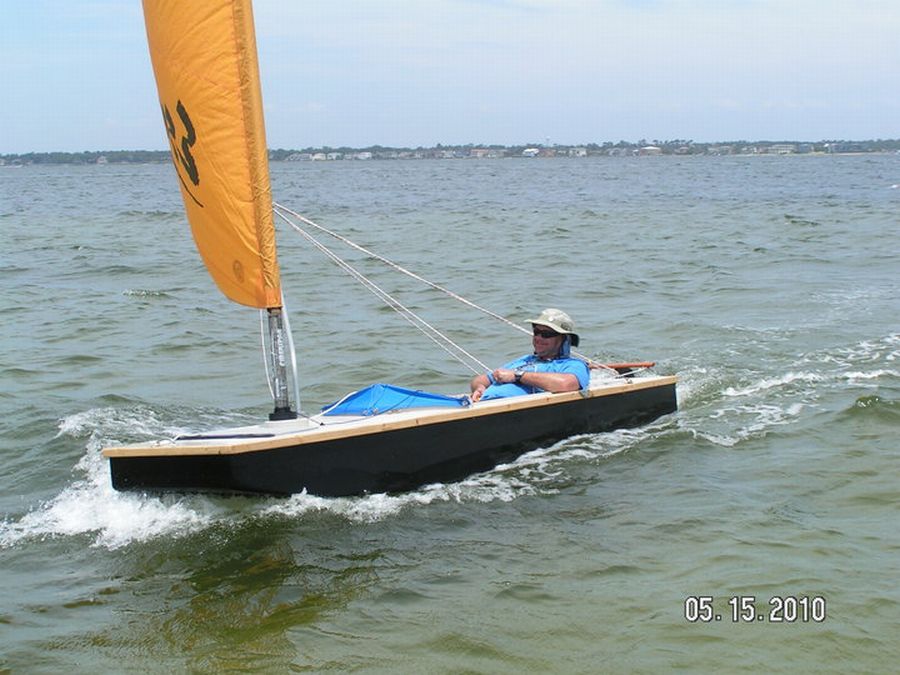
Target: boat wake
{"x":537,"y":472}
{"x":728,"y":408}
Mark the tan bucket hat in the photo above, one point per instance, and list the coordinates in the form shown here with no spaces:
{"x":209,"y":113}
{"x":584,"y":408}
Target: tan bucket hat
{"x":557,"y":320}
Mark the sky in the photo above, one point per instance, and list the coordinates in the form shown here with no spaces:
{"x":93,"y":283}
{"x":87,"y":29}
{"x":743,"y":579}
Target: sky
{"x":75,"y":75}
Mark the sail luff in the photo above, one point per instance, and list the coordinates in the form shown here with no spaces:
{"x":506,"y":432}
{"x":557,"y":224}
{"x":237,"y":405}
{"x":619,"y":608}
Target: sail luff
{"x":207,"y":74}
{"x":257,"y":151}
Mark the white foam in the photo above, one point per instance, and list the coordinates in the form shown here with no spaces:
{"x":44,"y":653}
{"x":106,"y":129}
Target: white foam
{"x":691,"y":384}
{"x":848,"y":365}
{"x":367,"y":509}
{"x":527,"y":475}
{"x":134,"y":422}
{"x":874,"y":375}
{"x":113,"y":519}
{"x":864,"y":352}
{"x":748,"y":421}
{"x":771,"y":383}
{"x":89,"y":505}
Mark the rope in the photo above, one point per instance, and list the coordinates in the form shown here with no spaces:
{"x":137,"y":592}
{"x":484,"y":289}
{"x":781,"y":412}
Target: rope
{"x":281,"y":210}
{"x":432,"y":333}
{"x":400,"y":268}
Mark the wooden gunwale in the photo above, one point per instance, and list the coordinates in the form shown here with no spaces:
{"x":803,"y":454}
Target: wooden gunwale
{"x":342,"y":428}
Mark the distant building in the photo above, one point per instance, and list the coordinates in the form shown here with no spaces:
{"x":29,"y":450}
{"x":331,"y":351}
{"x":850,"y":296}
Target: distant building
{"x":720,"y":150}
{"x":530,"y":152}
{"x":650,"y":150}
{"x":485,"y":153}
{"x":781,"y":149}
{"x":844,"y":147}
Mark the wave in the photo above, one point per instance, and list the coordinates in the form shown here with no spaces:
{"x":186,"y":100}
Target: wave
{"x":727,"y":407}
{"x":798,"y":220}
{"x":769,"y":383}
{"x":748,"y":422}
{"x":874,"y":408}
{"x":867,"y":360}
{"x":152,"y":216}
{"x":145,"y":293}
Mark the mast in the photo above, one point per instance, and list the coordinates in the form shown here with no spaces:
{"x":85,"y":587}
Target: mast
{"x":277,"y":346}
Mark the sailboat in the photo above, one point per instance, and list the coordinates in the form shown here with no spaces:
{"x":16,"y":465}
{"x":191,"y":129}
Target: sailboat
{"x":379,"y":439}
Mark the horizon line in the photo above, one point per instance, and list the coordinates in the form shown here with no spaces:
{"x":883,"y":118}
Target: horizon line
{"x":644,"y":142}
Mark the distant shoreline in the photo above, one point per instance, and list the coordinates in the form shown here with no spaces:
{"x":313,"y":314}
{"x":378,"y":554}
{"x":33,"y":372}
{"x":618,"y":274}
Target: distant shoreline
{"x":607,"y":149}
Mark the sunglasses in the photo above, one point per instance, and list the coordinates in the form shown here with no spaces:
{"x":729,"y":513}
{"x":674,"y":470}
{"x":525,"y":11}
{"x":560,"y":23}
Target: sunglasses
{"x":544,"y":333}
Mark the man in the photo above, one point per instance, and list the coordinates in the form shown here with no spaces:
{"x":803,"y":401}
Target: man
{"x":549,"y":368}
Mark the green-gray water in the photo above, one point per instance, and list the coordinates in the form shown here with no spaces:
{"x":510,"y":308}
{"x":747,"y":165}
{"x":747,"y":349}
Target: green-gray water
{"x":769,"y":285}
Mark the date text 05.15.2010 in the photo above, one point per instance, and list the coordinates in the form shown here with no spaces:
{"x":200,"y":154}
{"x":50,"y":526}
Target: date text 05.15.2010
{"x":743,"y":609}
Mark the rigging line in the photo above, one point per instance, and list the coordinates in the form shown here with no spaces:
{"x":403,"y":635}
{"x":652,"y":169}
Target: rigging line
{"x":400,"y":268}
{"x":418,"y":322}
{"x":280,"y":207}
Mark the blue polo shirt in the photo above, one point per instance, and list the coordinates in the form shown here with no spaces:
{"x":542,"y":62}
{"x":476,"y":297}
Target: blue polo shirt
{"x":531,"y":363}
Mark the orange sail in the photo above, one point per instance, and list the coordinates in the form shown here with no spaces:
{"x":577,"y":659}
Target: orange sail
{"x":204,"y":58}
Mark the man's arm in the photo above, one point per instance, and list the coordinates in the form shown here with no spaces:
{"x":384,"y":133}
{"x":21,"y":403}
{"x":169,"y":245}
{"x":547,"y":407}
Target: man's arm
{"x":552,"y":382}
{"x":478,"y":384}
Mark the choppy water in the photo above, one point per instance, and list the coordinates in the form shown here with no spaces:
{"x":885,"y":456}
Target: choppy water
{"x":769,"y":285}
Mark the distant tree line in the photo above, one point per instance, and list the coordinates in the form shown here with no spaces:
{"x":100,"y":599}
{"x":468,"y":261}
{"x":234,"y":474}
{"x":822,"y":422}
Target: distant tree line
{"x":89,"y":157}
{"x":668,"y":147}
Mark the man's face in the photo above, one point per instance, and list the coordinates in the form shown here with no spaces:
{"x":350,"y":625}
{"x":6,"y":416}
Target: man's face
{"x":546,"y":341}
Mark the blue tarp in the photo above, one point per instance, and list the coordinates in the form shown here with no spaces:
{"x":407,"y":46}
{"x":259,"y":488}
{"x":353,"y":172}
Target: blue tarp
{"x":381,"y":398}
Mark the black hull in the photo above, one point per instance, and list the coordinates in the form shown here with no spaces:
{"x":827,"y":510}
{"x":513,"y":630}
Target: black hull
{"x":392,"y":460}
